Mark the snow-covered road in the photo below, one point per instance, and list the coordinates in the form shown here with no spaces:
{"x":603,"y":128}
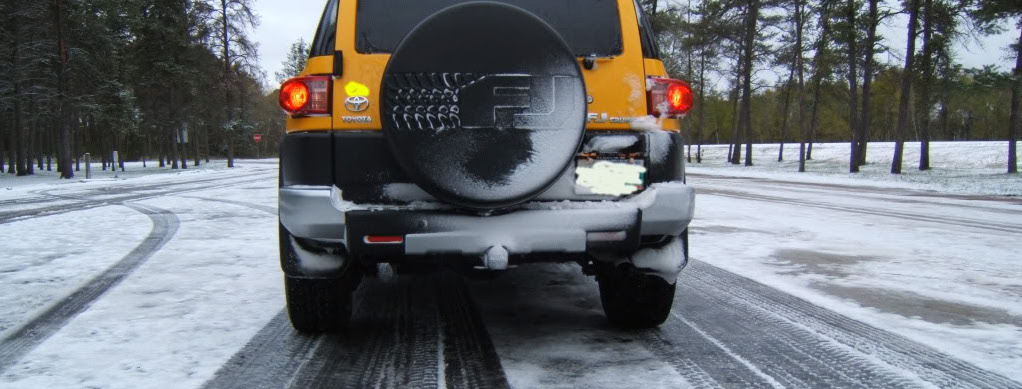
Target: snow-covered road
{"x":172,"y":281}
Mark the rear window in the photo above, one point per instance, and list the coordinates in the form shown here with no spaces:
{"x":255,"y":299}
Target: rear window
{"x":323,"y":44}
{"x":591,"y":27}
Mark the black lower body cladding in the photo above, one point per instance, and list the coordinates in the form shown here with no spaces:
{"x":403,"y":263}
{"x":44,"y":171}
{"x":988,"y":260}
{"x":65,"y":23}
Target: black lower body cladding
{"x":360,"y":164}
{"x":483,"y":105}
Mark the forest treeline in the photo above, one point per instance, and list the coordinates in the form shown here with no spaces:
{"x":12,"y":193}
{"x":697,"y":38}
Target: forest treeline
{"x":169,"y":81}
{"x":174,"y":82}
{"x":833,"y":85}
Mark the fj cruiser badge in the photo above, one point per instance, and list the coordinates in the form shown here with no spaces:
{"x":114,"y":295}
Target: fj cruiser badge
{"x":356,"y":103}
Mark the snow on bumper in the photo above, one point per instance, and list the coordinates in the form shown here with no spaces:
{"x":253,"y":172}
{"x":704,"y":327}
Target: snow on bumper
{"x":319,"y":212}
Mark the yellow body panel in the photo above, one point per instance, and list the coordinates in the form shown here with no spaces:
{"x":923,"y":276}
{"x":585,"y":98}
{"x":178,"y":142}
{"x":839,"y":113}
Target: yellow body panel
{"x":616,"y":86}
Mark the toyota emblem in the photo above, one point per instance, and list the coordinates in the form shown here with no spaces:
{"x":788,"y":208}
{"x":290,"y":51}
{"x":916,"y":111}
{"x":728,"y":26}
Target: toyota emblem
{"x":356,"y":103}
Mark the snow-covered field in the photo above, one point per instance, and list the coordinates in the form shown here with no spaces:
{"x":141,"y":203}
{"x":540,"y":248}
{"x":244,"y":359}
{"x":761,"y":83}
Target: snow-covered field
{"x":822,"y":279}
{"x":957,"y":167}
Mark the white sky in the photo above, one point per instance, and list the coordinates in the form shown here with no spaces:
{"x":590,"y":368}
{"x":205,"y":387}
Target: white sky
{"x":283,"y":22}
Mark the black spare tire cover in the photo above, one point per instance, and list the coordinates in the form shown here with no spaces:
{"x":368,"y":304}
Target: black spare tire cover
{"x":483,"y":105}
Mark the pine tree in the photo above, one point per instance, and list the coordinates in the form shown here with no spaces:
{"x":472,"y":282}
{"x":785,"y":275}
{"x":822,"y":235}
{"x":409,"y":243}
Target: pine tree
{"x":230,"y":20}
{"x":988,"y":15}
{"x":297,"y":56}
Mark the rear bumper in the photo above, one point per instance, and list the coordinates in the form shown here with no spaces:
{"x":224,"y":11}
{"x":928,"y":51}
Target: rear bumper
{"x":320,"y":213}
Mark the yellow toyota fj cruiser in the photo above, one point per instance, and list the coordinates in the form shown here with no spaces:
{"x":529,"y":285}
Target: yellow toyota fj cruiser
{"x":478,"y":135}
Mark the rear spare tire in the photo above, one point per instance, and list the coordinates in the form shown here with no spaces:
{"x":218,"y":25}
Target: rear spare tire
{"x":483,"y":105}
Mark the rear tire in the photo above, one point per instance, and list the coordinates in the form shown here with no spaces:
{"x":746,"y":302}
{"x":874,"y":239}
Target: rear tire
{"x":318,"y":305}
{"x":631,"y":298}
{"x":635,"y":299}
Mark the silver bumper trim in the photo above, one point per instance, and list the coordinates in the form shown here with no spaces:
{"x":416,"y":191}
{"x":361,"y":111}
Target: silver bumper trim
{"x":306,"y":212}
{"x":667,"y":209}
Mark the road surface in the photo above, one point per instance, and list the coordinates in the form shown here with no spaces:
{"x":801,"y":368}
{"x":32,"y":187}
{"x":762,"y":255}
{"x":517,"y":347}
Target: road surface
{"x":193,"y":298}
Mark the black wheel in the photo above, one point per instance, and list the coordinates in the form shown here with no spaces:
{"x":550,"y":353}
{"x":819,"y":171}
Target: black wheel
{"x":318,"y":305}
{"x":633,"y":298}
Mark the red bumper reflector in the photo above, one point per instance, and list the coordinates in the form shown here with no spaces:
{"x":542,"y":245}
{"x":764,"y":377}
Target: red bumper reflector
{"x":384,"y":239}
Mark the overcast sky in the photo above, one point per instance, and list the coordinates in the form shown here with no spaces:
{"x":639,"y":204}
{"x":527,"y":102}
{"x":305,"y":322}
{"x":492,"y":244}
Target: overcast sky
{"x":284,"y":21}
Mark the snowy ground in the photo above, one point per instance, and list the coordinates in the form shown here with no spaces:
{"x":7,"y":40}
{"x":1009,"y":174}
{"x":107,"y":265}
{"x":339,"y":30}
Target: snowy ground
{"x":172,"y":280}
{"x":943,"y":271}
{"x":956,"y":167}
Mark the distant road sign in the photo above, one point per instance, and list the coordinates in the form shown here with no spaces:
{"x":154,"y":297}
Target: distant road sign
{"x":258,"y":138}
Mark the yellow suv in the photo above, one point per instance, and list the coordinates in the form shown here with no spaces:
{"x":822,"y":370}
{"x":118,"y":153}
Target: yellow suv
{"x":476,"y":135}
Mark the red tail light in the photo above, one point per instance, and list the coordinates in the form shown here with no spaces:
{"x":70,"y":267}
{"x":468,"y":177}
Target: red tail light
{"x":667,"y":97}
{"x":306,"y":95}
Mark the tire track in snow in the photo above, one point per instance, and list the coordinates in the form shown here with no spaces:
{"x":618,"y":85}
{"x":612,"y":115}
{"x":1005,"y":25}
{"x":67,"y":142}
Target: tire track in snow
{"x":716,"y":342}
{"x":25,"y":338}
{"x":890,"y":196}
{"x":472,"y":360}
{"x":776,"y":352}
{"x":816,"y":187}
{"x":270,"y":359}
{"x":87,"y":203}
{"x":417,"y":331}
{"x":257,"y":207}
{"x":1003,"y":227}
{"x":774,"y":329}
{"x":698,"y":358}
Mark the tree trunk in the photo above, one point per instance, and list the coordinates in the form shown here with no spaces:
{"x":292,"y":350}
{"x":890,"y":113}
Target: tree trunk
{"x":809,"y":147}
{"x":800,"y":66}
{"x":64,"y":152}
{"x":853,"y":89}
{"x":173,"y":147}
{"x":752,"y":16}
{"x":30,"y":153}
{"x":1013,"y":122}
{"x":688,"y":54}
{"x":195,"y":146}
{"x":227,"y":83}
{"x":702,"y":105}
{"x":906,"y":88}
{"x":184,"y":155}
{"x":784,"y":111}
{"x":12,"y":166}
{"x":77,"y":144}
{"x":924,"y":89}
{"x":20,"y":154}
{"x":865,"y":123}
{"x":806,"y":151}
{"x":735,"y":152}
{"x":172,"y":128}
{"x":205,"y":137}
{"x":3,"y":140}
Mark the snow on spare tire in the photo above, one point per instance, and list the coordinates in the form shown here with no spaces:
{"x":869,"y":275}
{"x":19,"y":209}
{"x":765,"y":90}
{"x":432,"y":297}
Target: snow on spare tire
{"x":483,"y":105}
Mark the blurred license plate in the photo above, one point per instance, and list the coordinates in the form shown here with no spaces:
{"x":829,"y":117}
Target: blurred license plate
{"x":612,"y":177}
